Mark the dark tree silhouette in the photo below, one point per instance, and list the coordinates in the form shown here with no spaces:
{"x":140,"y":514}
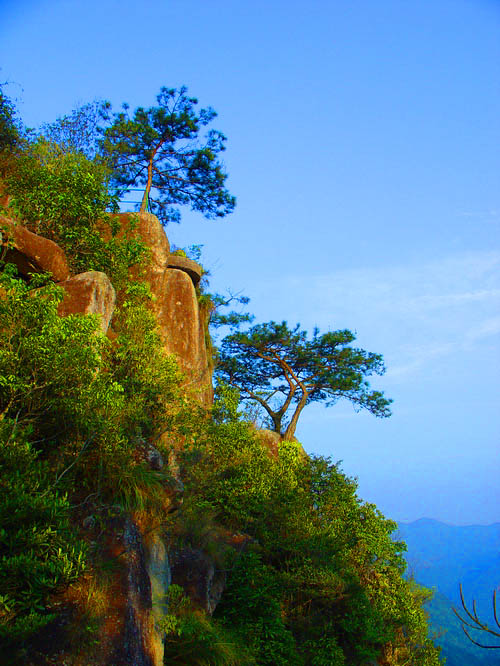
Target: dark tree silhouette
{"x":476,"y":623}
{"x":9,"y":124}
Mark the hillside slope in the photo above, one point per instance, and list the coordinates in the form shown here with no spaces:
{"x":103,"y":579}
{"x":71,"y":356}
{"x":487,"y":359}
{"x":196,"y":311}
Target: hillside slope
{"x":442,"y":556}
{"x":143,"y":520}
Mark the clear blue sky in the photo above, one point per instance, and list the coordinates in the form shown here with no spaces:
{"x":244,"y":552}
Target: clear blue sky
{"x":363,"y":148}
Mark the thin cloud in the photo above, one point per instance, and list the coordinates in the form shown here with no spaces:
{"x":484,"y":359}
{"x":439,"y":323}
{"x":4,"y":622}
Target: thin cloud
{"x":486,"y":329}
{"x":492,"y":213}
{"x":414,"y":314}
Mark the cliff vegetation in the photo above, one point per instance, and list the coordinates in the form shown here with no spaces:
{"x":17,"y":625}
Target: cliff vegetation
{"x":142,"y":520}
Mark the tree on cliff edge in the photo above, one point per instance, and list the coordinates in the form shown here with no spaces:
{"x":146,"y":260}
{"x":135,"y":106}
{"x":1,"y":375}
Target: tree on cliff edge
{"x":9,"y":123}
{"x":283,"y":371}
{"x":160,"y":148}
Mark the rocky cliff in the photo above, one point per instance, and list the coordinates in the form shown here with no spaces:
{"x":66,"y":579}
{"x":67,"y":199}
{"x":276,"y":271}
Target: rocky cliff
{"x":203,"y":540}
{"x":132,"y":634}
{"x":173,"y":281}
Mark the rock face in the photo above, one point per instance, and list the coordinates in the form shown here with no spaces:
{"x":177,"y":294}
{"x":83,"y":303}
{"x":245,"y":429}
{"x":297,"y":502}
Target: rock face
{"x":181,"y":325}
{"x":136,"y":644}
{"x":194,"y":270}
{"x":150,"y":230}
{"x":172,"y":279}
{"x":32,"y":253}
{"x":147,"y":571}
{"x":183,"y":330}
{"x":195,"y":572}
{"x":158,"y":568}
{"x":89,"y":293}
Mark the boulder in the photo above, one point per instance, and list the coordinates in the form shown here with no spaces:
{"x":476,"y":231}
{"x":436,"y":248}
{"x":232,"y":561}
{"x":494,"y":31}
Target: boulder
{"x":32,"y":253}
{"x":147,"y":228}
{"x":182,"y":330}
{"x":194,"y":270}
{"x":271,"y":441}
{"x":89,"y":293}
{"x":195,"y":572}
{"x":175,"y":304}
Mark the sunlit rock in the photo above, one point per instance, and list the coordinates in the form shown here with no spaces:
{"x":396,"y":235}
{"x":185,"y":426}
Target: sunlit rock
{"x":31,"y":253}
{"x":89,"y":293}
{"x":194,"y":270}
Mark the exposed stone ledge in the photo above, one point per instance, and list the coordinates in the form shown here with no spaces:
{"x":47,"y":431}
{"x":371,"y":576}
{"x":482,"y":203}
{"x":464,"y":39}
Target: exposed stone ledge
{"x":32,"y":253}
{"x":194,"y":270}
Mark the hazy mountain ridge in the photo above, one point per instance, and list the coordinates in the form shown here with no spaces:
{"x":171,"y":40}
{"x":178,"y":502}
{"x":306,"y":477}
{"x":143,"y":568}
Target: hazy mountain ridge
{"x":441,"y":556}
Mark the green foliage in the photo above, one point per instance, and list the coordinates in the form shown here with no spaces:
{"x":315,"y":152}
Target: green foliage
{"x":73,"y":414}
{"x":79,"y":131}
{"x":149,"y":377}
{"x":39,"y":552}
{"x":313,"y":576}
{"x":251,"y":606}
{"x":193,"y":639}
{"x":64,"y":196}
{"x":51,"y":368}
{"x":58,"y":192}
{"x":62,"y":376}
{"x":147,"y":381}
{"x":10,"y":135}
{"x":159,"y":148}
{"x":321,"y":567}
{"x":322,"y":649}
{"x":271,"y":363}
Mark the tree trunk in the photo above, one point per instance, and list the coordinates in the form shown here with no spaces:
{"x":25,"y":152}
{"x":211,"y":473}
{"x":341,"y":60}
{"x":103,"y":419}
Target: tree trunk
{"x":145,"y":197}
{"x":290,"y":431}
{"x":145,"y":201}
{"x":277,"y":422}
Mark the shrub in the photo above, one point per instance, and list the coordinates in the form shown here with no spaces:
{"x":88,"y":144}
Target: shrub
{"x":251,"y":606}
{"x":193,"y":639}
{"x":321,"y":581}
{"x":64,"y":197}
{"x":150,"y":377}
{"x":52,"y":369}
{"x":10,"y":130}
{"x":39,"y":551}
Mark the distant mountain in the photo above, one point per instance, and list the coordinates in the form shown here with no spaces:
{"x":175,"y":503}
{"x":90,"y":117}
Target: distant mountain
{"x":442,"y":556}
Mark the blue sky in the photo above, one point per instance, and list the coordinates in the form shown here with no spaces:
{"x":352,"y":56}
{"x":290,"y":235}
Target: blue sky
{"x":363,"y":150}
